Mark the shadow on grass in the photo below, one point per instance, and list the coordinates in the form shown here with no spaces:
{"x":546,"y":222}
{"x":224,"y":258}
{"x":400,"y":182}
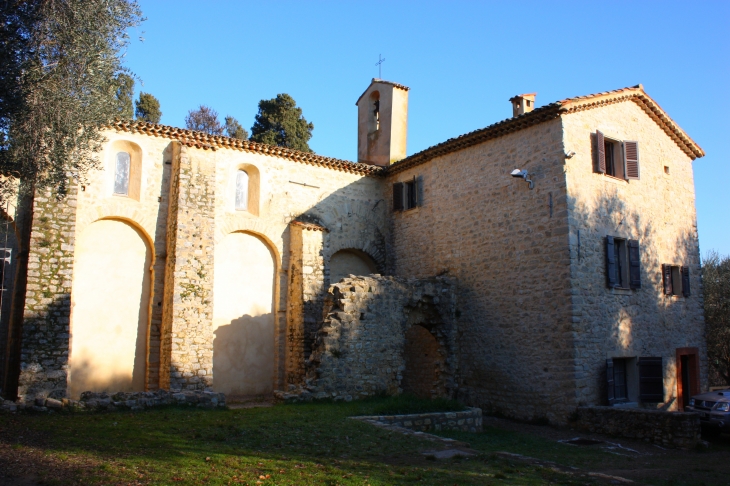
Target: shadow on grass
{"x":302,"y":444}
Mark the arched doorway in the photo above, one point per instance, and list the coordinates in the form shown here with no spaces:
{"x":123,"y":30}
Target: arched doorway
{"x":243,"y":319}
{"x":109,"y":309}
{"x":423,"y":362}
{"x":350,"y":261}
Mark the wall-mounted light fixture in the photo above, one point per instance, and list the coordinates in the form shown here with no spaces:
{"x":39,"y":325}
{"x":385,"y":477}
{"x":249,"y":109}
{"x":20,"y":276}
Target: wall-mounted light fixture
{"x":569,"y":154}
{"x":523,"y":175}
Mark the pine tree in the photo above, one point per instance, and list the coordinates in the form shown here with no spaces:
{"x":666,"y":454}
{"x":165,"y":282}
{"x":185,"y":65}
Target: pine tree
{"x":235,"y":129}
{"x":148,"y":108}
{"x":280,"y":122}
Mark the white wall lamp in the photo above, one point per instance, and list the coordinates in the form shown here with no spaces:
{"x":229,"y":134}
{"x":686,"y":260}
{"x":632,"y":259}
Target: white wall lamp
{"x":522,"y":174}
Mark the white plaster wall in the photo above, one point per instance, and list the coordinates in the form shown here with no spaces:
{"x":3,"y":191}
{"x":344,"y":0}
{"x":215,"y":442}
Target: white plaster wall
{"x":109,"y":309}
{"x":243,"y":319}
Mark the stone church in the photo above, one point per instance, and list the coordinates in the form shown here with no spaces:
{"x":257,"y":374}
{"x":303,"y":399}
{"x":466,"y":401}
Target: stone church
{"x":544,"y":262}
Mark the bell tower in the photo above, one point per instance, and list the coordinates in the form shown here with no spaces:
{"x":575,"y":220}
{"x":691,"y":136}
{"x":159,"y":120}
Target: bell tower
{"x":382,"y":123}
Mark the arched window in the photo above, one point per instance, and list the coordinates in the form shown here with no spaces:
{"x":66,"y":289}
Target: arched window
{"x":242,"y":190}
{"x":121,"y":173}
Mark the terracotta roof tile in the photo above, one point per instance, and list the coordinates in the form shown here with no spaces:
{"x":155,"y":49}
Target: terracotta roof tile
{"x":309,"y":226}
{"x":377,"y":80}
{"x":204,"y":141}
{"x":554,"y":110}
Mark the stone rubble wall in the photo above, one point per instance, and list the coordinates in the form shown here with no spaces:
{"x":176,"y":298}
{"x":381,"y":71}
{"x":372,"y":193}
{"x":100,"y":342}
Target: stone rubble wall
{"x":469,"y":420}
{"x":668,"y":429}
{"x":359,"y":348}
{"x":46,"y":334}
{"x":134,"y":401}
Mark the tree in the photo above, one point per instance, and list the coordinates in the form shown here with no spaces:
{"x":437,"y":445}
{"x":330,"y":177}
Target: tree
{"x":124,"y":94}
{"x":716,"y":286}
{"x":147,"y":108}
{"x":280,"y":122}
{"x":59,"y":80}
{"x":204,"y":119}
{"x":235,"y":129}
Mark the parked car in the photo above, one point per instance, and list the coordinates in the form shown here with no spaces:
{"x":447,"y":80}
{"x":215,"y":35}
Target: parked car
{"x":713,"y":408}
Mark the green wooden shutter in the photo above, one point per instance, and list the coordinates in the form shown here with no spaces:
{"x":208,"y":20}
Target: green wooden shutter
{"x":685,"y":281}
{"x":611,"y":277}
{"x":609,"y":382}
{"x":631,"y":159}
{"x":634,"y":265}
{"x":398,"y":196}
{"x":651,"y":380}
{"x":667,"y":278}
{"x":601,"y":153}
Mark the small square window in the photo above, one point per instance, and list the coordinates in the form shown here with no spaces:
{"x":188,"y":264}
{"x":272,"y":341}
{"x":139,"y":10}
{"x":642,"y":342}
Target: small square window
{"x":666,"y":169}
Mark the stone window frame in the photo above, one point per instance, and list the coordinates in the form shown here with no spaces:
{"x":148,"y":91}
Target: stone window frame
{"x":629,"y":157}
{"x":254,"y":189}
{"x":623,"y":263}
{"x":676,"y":280}
{"x":134,"y":185}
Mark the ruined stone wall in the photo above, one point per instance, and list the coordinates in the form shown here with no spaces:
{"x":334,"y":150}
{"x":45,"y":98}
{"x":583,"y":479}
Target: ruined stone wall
{"x":46,"y":335}
{"x":507,"y":247}
{"x":658,"y":210}
{"x":360,"y":348}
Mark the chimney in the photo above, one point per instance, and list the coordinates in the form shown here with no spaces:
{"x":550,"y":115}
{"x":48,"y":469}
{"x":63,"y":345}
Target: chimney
{"x":522,"y":104}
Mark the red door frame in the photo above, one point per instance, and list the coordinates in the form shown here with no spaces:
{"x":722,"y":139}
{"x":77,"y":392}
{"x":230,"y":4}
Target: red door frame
{"x":694,"y":374}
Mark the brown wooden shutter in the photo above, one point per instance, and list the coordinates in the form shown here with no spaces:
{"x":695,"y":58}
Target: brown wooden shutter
{"x":610,"y":391}
{"x":667,"y":278}
{"x":634,"y":265}
{"x":419,"y":191}
{"x":398,"y":196}
{"x":611,"y":277}
{"x":631,"y":159}
{"x":651,"y":380}
{"x":685,"y":281}
{"x":601,"y":151}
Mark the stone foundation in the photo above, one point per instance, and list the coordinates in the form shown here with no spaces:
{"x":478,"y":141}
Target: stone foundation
{"x":469,"y":420}
{"x":668,"y":429}
{"x":91,"y":401}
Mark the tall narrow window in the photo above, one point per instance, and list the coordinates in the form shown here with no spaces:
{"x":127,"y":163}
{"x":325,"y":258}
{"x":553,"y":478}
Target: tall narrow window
{"x":242,"y":190}
{"x":121,"y":174}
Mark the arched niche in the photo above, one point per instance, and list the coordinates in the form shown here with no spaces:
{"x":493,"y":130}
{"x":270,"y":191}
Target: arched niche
{"x":253,"y":189}
{"x":110,"y":308}
{"x":350,"y":261}
{"x":243,"y":315}
{"x":134,"y":151}
{"x":423,"y":362}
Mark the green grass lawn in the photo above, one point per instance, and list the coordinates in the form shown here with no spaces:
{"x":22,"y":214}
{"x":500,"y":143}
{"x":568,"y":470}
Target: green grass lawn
{"x":282,"y":445}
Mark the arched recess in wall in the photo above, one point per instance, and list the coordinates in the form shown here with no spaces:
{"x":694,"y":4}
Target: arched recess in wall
{"x":350,"y":261}
{"x":245,"y":188}
{"x":125,"y":167}
{"x":243,"y":315}
{"x":110,"y":308}
{"x":423,"y":361}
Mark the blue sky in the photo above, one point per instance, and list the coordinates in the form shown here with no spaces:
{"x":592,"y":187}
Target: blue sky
{"x":462,"y":60}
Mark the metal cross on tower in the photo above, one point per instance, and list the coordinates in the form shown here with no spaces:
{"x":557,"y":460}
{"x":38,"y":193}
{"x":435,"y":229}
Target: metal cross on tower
{"x":380,"y":67}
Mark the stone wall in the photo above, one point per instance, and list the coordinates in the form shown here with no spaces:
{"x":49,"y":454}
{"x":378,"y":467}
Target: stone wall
{"x":507,"y":247}
{"x":668,"y":429}
{"x":469,"y":420}
{"x":46,"y":335}
{"x":360,"y":348}
{"x":658,"y":210}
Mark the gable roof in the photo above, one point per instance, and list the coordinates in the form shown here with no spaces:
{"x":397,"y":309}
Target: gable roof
{"x":382,"y":81}
{"x":201,"y":140}
{"x":555,"y":110}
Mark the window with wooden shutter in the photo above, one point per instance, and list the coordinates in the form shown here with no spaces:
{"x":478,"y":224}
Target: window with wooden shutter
{"x":601,"y":152}
{"x":609,"y":382}
{"x":611,"y":273}
{"x":651,"y":380}
{"x":398,"y":196}
{"x":631,"y":159}
{"x":667,"y":278}
{"x":419,"y":191}
{"x":634,"y":265}
{"x":685,"y":281}
{"x":411,"y":194}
